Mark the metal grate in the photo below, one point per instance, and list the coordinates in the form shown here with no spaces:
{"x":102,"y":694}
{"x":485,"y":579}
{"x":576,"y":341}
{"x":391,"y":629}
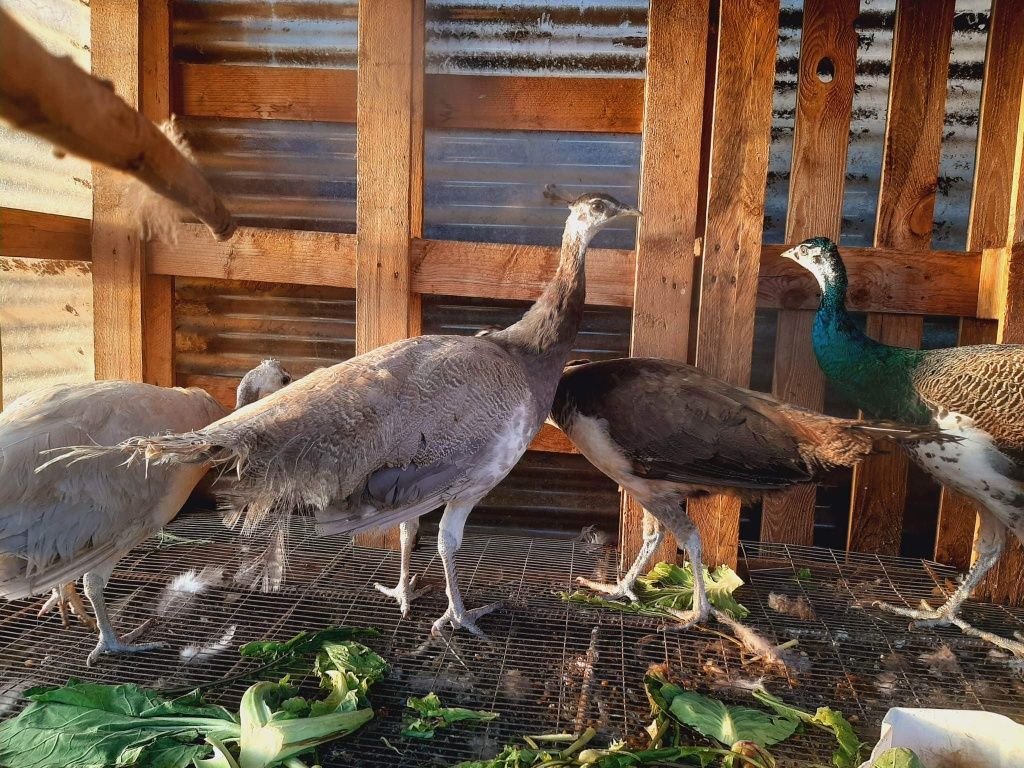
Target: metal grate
{"x":547,"y":666}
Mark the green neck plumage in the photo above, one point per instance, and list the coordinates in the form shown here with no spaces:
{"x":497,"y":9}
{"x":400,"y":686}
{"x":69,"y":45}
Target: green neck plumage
{"x":876,"y":377}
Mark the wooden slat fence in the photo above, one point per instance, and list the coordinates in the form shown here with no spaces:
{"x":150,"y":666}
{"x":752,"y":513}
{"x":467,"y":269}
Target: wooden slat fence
{"x":705,"y":114}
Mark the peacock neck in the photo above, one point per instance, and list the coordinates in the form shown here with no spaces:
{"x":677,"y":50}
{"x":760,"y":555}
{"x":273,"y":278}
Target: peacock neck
{"x":875,"y":376}
{"x":549,"y":327}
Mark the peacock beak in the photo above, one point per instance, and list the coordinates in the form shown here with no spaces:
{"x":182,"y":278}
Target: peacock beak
{"x":793,"y":254}
{"x":628,"y":211}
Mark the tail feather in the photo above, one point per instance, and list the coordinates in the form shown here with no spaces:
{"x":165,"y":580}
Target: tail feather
{"x":187,"y":448}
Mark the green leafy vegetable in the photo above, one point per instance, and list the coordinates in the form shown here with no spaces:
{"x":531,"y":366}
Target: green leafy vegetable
{"x":432,"y":715}
{"x":669,"y":586}
{"x":716,"y":720}
{"x":804,"y":574}
{"x":847,"y":755}
{"x":901,"y":757}
{"x":88,"y":725}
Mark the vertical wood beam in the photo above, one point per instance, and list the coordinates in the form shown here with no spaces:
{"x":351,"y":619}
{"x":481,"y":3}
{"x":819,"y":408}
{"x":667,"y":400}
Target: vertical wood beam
{"x":740,"y":138}
{"x":1004,"y":583}
{"x":117,"y":261}
{"x":669,"y":195}
{"x":906,"y":207}
{"x":987,"y":228}
{"x":158,"y":290}
{"x":385,"y":166}
{"x":820,"y":141}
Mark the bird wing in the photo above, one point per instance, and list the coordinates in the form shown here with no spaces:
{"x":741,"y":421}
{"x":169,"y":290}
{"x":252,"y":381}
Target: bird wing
{"x":64,"y":520}
{"x":984,"y":382}
{"x":677,"y":424}
{"x":357,"y":442}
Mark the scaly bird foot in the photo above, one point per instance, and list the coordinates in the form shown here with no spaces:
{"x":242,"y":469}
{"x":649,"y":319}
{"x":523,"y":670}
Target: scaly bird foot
{"x":403,"y":593}
{"x":615,"y":590}
{"x":686,"y":619}
{"x":123,"y":644}
{"x":925,"y":616}
{"x":464,"y":620}
{"x":1016,"y":647}
{"x":63,"y":597}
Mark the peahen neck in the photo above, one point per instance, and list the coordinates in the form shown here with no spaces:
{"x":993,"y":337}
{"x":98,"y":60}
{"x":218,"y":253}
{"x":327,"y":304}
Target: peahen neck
{"x":547,"y":332}
{"x":874,"y":376}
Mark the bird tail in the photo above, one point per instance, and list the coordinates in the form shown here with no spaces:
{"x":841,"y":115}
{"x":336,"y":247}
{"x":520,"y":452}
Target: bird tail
{"x":186,"y":448}
{"x":902,"y":433}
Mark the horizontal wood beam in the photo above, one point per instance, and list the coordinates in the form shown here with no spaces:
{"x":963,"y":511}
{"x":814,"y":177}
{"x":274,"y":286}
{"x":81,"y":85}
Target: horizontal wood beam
{"x":34,"y":235}
{"x":882,"y":279}
{"x":266,"y":255}
{"x":481,"y":102}
{"x":889,"y":280}
{"x":490,"y":270}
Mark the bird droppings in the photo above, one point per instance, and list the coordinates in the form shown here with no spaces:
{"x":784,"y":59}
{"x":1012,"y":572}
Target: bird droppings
{"x":797,"y":607}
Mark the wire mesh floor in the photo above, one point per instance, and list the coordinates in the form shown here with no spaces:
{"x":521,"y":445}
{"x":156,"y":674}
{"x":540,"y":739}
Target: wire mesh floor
{"x":546,"y":666}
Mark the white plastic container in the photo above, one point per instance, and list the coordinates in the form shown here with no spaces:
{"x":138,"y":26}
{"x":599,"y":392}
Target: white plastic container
{"x":942,"y":736}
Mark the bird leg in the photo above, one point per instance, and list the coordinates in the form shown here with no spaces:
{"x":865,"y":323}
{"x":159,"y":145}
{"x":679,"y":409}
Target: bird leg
{"x":653,"y":535}
{"x":991,"y":542}
{"x":698,"y":614}
{"x":449,"y":539}
{"x":405,"y":591}
{"x":93,"y":583}
{"x":62,"y":598}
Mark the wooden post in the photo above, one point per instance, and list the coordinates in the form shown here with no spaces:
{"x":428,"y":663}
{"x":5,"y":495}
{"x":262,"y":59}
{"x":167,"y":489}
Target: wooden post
{"x":158,"y":290}
{"x":669,"y":195}
{"x":821,"y":137}
{"x":906,"y":206}
{"x":740,"y":137}
{"x":385,"y":163}
{"x":117,"y":266}
{"x":1004,"y":583}
{"x":987,"y":228}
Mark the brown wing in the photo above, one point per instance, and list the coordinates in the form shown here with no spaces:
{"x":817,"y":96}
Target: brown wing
{"x":678,"y":424}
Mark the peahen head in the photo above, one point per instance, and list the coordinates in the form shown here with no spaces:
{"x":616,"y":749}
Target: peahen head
{"x":266,"y":378}
{"x":820,"y":257}
{"x":592,"y":211}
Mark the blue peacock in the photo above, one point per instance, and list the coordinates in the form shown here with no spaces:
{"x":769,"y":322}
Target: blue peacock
{"x":974,"y":393}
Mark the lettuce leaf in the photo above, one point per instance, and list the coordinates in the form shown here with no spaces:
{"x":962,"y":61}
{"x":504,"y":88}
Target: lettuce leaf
{"x":434,"y":716}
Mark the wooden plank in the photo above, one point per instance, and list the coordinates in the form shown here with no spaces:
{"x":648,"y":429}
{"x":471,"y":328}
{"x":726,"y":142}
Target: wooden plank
{"x":890,"y":280}
{"x":906,"y":207}
{"x":265,"y":255}
{"x":117,"y":262}
{"x":481,"y":102}
{"x":1004,"y":584}
{"x":417,"y":157}
{"x":551,"y":439}
{"x":669,"y":194}
{"x":34,"y":235}
{"x":383,"y":197}
{"x":157,"y":290}
{"x":740,"y":137}
{"x":270,"y":93}
{"x":452,"y":268}
{"x":988,"y":223}
{"x":823,"y":111}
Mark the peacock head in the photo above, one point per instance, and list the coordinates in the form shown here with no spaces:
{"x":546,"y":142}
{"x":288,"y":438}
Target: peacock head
{"x":820,"y":257}
{"x":592,"y":211}
{"x":266,"y":378}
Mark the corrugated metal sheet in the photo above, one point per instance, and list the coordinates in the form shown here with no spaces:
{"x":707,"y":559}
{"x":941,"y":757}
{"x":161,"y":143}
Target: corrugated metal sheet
{"x":224,"y":327}
{"x":45,"y":324}
{"x":31,"y":178}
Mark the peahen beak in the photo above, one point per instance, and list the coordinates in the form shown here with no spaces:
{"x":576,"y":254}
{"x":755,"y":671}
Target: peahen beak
{"x":792,"y":254}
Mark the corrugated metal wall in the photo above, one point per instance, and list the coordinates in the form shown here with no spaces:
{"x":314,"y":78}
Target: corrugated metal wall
{"x":488,"y":186}
{"x":46,"y":334}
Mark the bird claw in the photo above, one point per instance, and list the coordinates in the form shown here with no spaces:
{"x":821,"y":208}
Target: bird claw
{"x":404,"y":594}
{"x":615,"y":591}
{"x":62,"y":600}
{"x":925,"y":616}
{"x":465,"y":620}
{"x":686,"y":619}
{"x":123,"y":644}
